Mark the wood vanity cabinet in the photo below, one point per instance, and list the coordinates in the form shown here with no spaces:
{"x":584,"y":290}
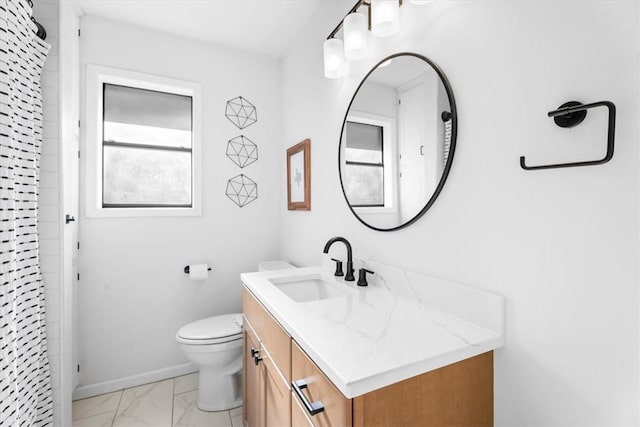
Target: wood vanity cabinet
{"x":460,"y":394}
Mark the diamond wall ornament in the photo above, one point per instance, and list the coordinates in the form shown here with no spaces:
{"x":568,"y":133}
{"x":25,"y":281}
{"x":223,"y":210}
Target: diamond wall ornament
{"x":241,"y":112}
{"x":242,"y":190}
{"x":242,"y":151}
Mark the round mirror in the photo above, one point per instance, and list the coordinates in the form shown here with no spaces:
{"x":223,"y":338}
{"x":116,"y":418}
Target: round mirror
{"x":397,"y":142}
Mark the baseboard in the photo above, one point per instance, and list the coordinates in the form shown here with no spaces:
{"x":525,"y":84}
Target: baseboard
{"x":91,"y":390}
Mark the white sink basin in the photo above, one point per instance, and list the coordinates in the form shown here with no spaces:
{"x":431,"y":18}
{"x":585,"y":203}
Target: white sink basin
{"x":310,"y":288}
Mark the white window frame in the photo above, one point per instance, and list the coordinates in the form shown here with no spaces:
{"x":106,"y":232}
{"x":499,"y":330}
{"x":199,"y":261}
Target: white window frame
{"x":97,"y":76}
{"x":388,"y":125}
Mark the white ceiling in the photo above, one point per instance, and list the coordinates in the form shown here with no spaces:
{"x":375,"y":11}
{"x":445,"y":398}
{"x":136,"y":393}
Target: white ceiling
{"x":262,"y":26}
{"x":400,"y":71}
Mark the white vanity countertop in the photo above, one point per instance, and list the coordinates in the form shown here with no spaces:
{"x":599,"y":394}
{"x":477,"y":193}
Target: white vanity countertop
{"x":402,"y":325}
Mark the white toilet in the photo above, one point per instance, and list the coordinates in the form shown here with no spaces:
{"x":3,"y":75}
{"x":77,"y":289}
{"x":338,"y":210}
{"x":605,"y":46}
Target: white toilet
{"x":215,"y":345}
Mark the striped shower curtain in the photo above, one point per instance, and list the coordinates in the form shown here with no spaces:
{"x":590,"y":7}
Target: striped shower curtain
{"x":25,"y":385}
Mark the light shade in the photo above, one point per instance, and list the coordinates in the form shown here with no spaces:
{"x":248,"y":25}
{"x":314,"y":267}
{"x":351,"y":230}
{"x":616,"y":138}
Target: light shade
{"x":355,"y":36}
{"x":385,"y":17}
{"x":420,"y":1}
{"x":333,"y":58}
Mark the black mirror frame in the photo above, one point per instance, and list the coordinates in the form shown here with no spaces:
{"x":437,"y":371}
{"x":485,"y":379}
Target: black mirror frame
{"x":452,"y":147}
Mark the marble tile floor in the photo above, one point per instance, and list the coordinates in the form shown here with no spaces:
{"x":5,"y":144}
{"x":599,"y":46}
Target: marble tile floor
{"x":165,"y":403}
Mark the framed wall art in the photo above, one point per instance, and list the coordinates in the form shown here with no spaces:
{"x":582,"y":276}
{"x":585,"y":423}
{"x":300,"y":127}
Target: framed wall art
{"x":299,"y":176}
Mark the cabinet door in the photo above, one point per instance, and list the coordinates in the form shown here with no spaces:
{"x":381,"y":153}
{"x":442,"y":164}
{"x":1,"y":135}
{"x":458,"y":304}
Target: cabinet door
{"x":253,"y":415}
{"x":269,"y":332}
{"x":277,"y":396}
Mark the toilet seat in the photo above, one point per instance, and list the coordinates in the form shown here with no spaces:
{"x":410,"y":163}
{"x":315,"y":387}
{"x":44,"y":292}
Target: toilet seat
{"x":212,"y":330}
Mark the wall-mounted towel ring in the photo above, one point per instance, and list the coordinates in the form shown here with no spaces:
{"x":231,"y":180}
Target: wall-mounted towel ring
{"x":571,"y":114}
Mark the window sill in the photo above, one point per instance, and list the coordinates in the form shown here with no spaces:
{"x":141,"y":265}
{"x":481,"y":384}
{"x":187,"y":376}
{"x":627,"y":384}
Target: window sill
{"x":143,"y":212}
{"x":375,"y":210}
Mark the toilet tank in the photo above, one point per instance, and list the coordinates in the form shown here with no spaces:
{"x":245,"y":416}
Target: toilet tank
{"x":274,"y":265}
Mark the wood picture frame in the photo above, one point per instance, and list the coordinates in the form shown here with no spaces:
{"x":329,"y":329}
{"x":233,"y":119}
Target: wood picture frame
{"x":299,"y":176}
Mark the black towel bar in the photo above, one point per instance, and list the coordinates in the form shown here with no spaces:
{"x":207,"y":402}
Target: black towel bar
{"x":571,"y":114}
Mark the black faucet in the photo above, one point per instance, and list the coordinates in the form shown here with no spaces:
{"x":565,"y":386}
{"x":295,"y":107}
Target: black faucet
{"x":349,"y":275}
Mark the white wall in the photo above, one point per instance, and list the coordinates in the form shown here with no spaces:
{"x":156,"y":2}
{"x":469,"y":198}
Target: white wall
{"x":375,"y":98}
{"x":561,"y":245}
{"x":134,"y":295}
{"x":46,"y":12}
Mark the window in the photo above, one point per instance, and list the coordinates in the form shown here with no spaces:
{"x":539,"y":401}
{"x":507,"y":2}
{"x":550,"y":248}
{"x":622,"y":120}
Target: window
{"x":369,"y":168}
{"x":146,"y":148}
{"x":364,"y":164}
{"x":143,"y":144}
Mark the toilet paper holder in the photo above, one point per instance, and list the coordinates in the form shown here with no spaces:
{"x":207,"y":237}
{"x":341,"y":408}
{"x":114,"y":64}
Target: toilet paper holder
{"x":186,"y":269}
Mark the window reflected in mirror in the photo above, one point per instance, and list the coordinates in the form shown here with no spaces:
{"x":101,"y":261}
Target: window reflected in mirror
{"x":364,"y":168}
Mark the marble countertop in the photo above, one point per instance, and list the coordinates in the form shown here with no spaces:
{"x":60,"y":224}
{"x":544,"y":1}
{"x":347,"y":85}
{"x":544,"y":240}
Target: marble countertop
{"x":403,"y":324}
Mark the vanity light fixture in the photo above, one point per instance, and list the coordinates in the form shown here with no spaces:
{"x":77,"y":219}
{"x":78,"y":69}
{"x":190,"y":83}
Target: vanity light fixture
{"x":382,"y":18}
{"x":334,"y":61}
{"x":355,"y":36}
{"x":385,"y":17}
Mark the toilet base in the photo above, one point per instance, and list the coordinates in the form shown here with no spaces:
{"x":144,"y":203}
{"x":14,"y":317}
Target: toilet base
{"x":215,"y":408}
{"x":218,"y":392}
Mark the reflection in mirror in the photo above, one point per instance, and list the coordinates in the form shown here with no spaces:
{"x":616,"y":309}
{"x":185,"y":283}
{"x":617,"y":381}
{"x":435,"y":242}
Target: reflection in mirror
{"x":364,"y":165}
{"x":397,"y":142}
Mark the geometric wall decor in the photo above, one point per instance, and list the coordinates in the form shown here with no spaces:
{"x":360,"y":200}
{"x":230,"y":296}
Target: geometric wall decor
{"x":241,"y":112}
{"x":242,"y":190}
{"x":242,"y":151}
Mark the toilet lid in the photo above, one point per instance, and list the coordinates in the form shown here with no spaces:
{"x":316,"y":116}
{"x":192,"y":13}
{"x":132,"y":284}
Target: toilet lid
{"x":224,"y":326}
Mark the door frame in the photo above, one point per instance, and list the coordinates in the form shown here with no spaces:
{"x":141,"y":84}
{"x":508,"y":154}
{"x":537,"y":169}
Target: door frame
{"x":69,"y":107}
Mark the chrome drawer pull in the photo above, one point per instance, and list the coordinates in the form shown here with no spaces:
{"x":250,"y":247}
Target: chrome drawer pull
{"x":312,"y":407}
